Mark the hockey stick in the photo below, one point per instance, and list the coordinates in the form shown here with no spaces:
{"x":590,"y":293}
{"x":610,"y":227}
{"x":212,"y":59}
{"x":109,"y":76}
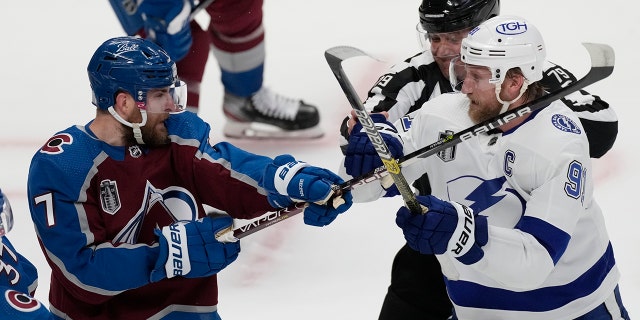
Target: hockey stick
{"x":334,"y":57}
{"x":602,"y":63}
{"x":268,"y":219}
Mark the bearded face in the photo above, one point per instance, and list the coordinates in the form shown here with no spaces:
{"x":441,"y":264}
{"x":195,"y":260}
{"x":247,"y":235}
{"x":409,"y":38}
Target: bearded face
{"x":154,"y":132}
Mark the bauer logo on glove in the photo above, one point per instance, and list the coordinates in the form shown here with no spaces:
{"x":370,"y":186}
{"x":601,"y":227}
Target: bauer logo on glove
{"x":178,"y":252}
{"x":287,"y":180}
{"x":447,"y":227}
{"x":463,"y":232}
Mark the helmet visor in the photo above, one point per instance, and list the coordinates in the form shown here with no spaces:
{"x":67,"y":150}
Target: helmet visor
{"x":468,"y":77}
{"x":167,"y":100}
{"x":441,"y":45}
{"x":6,"y":215}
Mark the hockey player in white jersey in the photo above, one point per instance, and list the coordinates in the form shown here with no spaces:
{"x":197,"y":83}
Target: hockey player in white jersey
{"x":537,"y":247}
{"x":421,"y":77}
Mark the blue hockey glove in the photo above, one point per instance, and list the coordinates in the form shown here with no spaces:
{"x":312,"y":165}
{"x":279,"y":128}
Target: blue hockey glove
{"x":166,"y":22}
{"x":288,"y":180}
{"x":128,"y":15}
{"x":361,"y":156}
{"x":321,"y":215}
{"x":190,"y":248}
{"x":447,"y":226}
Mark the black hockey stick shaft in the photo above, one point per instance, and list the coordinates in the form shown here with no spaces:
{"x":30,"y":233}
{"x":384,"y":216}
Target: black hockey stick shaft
{"x":334,"y":57}
{"x":602,"y":63}
{"x":268,"y":219}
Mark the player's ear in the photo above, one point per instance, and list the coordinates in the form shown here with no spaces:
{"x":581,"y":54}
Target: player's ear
{"x":512,"y":84}
{"x":124,"y":105}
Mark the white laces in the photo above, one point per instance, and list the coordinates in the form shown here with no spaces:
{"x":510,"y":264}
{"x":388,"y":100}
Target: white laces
{"x":274,"y":105}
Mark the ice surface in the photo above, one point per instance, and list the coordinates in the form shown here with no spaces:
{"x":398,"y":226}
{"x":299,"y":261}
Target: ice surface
{"x":290,"y":270}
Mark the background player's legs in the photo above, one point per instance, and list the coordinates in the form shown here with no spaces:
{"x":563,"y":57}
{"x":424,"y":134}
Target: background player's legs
{"x":251,"y":109}
{"x":191,"y":67}
{"x":417,"y":289}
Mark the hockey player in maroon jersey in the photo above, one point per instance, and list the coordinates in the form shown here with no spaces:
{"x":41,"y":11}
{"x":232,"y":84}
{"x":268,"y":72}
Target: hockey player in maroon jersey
{"x":18,"y":276}
{"x":118,"y":203}
{"x":235,"y":35}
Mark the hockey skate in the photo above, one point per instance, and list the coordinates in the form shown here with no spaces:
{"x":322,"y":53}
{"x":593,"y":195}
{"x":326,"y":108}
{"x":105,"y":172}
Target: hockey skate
{"x":267,"y":114}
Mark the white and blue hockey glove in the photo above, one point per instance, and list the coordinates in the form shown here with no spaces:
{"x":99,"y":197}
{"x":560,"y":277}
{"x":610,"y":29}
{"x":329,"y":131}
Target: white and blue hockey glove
{"x":360,"y":154}
{"x":6,"y":215}
{"x":447,"y":226}
{"x":190,"y":248}
{"x":166,"y":22}
{"x":288,"y":181}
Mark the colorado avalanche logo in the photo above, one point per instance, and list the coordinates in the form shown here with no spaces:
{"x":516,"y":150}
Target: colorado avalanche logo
{"x":565,"y":124}
{"x":176,"y":201}
{"x":21,"y":301}
{"x":55,"y":143}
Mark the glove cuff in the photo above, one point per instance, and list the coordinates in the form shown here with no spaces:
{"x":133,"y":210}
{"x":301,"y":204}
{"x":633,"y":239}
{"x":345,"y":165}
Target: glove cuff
{"x":284,"y":174}
{"x":475,"y":252}
{"x":158,"y":273}
{"x":178,"y":263}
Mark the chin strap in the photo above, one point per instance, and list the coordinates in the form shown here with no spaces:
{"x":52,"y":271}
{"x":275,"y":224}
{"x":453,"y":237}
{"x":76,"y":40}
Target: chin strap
{"x":506,"y":104}
{"x":137,"y":133}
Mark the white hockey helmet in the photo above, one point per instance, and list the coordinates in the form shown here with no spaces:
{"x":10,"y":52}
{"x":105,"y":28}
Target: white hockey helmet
{"x":505,"y":42}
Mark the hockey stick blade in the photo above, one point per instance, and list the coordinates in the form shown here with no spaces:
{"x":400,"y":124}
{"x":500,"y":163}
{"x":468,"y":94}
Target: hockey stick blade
{"x":334,"y":57}
{"x":602,"y":63}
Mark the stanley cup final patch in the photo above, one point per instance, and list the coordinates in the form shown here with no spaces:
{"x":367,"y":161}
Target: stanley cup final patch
{"x":447,"y":154}
{"x":109,"y":198}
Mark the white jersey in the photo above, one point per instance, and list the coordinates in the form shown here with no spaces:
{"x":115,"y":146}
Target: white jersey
{"x":548,"y":255}
{"x":418,"y":79}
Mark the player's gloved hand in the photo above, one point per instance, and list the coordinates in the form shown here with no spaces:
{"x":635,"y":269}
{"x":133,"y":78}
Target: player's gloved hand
{"x":361,"y":156}
{"x":288,"y":180}
{"x":166,"y":22}
{"x":320,"y":215}
{"x":191,"y":249}
{"x":445,"y":227}
{"x":6,"y":215}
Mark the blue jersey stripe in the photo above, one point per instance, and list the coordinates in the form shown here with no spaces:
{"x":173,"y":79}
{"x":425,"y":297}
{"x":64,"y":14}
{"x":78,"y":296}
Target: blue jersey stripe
{"x":473,"y":295}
